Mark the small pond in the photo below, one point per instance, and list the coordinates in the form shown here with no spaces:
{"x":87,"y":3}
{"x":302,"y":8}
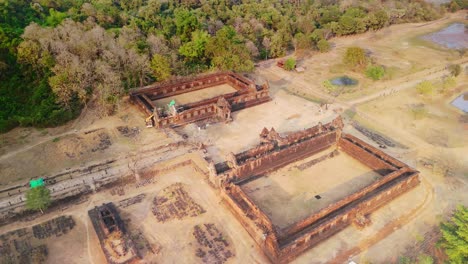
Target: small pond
{"x":461,"y":102}
{"x":343,"y":81}
{"x":454,"y":36}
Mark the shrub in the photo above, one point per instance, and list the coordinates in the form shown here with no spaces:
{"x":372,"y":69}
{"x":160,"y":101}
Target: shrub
{"x":375,"y":72}
{"x":448,"y":83}
{"x":328,"y":85}
{"x":323,"y":45}
{"x":355,"y":56}
{"x":290,"y":64}
{"x":161,"y":67}
{"x":454,"y":69}
{"x":425,"y":88}
{"x":425,"y":259}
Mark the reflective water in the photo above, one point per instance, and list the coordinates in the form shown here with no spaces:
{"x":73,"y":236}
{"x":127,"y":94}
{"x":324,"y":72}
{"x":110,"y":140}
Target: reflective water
{"x":454,"y":36}
{"x":461,"y":102}
{"x":343,"y":81}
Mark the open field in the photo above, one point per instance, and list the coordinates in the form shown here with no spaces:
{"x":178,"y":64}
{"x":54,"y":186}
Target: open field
{"x":289,"y":194}
{"x":104,"y":139}
{"x":398,"y":48}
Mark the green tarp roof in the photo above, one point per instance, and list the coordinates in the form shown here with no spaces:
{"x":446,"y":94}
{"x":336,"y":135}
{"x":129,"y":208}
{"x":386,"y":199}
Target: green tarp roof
{"x":36,"y":183}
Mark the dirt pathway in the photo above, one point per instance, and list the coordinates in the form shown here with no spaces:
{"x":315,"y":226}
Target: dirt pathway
{"x":409,"y":81}
{"x":43,"y":140}
{"x":396,"y":85}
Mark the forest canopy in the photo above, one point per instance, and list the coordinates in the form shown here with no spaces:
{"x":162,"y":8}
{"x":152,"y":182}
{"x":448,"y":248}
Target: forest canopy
{"x":56,"y":56}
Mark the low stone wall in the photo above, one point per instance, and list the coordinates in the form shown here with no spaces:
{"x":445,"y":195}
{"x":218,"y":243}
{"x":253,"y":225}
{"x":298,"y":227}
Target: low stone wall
{"x":190,"y":84}
{"x":367,"y":157}
{"x":293,"y":246}
{"x":247,"y":95}
{"x":282,"y":157}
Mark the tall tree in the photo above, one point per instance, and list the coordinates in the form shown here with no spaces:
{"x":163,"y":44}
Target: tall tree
{"x":228,"y":51}
{"x":161,"y":67}
{"x":194,"y":50}
{"x":455,"y":236}
{"x":355,"y":56}
{"x":186,"y":22}
{"x":38,"y":198}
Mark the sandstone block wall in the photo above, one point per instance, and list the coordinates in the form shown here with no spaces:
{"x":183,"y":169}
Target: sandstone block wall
{"x":247,"y":94}
{"x":276,"y":151}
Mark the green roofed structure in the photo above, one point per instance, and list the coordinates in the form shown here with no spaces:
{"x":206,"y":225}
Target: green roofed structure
{"x":36,"y":183}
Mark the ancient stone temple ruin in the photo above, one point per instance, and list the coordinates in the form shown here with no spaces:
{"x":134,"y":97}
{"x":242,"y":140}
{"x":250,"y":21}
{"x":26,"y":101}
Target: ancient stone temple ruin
{"x":327,"y":209}
{"x":115,"y":242}
{"x":244,"y":93}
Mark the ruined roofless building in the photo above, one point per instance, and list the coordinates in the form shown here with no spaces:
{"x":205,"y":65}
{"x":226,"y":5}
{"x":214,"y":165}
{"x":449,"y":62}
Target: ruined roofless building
{"x":115,"y":242}
{"x":283,"y":243}
{"x":218,"y":108}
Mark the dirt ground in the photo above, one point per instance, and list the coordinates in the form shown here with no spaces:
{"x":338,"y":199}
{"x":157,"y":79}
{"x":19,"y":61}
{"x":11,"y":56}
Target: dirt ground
{"x":172,"y":241}
{"x":90,"y":140}
{"x":285,"y":113}
{"x":289,"y":194}
{"x":196,"y":96}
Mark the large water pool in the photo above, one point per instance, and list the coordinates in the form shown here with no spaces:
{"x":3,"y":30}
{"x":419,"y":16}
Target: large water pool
{"x":454,"y":36}
{"x":461,"y":102}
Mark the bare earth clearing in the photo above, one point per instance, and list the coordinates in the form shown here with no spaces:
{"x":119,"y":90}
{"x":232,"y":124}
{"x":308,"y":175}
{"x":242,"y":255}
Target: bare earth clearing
{"x":433,"y":132}
{"x":288,"y":194}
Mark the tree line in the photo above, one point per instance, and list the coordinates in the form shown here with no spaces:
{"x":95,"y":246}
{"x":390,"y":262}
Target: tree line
{"x":56,"y":56}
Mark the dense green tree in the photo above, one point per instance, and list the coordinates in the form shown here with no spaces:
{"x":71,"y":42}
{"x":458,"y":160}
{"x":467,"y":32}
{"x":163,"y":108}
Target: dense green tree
{"x":355,"y":56}
{"x":302,"y":41}
{"x":161,"y":67}
{"x":194,"y":50}
{"x":377,"y":20}
{"x":186,"y":22}
{"x":323,"y":45}
{"x":455,"y":236}
{"x":227,"y":51}
{"x":55,"y":17}
{"x":278,"y":46}
{"x":38,"y":198}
